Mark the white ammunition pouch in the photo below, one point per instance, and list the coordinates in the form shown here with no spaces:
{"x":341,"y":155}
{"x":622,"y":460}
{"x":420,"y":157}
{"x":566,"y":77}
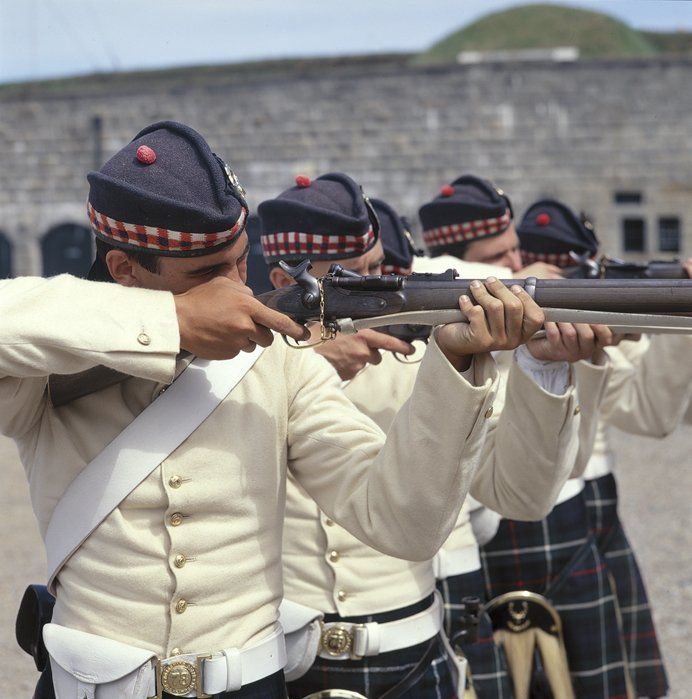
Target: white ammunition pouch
{"x":86,"y":666}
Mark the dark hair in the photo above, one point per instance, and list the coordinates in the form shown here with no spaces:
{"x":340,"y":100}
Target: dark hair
{"x":150,"y":261}
{"x":453,"y":249}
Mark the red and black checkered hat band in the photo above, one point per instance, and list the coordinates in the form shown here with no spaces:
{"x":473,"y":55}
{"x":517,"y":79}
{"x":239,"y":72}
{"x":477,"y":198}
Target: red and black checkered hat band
{"x":561,"y":259}
{"x":278,"y":246}
{"x":467,"y":231}
{"x":395,"y":269}
{"x":160,"y":240}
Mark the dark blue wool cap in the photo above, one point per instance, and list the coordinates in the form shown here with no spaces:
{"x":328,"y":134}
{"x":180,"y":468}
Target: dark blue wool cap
{"x":397,"y":241}
{"x":465,"y":210}
{"x":167,"y":193}
{"x":328,"y":218}
{"x":550,"y":230}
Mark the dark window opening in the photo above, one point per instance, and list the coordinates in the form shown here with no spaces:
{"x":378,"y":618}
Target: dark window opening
{"x":669,"y":234}
{"x":628,"y":197}
{"x":67,"y":249}
{"x":5,"y":257}
{"x":633,"y":235}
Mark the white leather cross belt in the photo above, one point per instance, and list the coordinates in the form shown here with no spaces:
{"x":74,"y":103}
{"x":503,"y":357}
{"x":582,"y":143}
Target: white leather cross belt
{"x":345,"y":641}
{"x":227,"y":671}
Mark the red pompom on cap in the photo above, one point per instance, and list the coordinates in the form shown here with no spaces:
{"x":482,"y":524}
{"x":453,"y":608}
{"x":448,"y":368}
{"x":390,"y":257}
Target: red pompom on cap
{"x":303,"y":181}
{"x":146,"y":155}
{"x":543,"y":219}
{"x":447,"y":190}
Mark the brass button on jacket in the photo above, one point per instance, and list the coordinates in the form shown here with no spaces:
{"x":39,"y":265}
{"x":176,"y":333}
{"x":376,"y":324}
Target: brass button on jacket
{"x":488,"y":412}
{"x":341,"y":596}
{"x":143,"y":339}
{"x":176,"y":519}
{"x":179,"y":561}
{"x":175,"y":481}
{"x":334,"y":556}
{"x":577,"y":410}
{"x":181,"y":606}
{"x":175,"y":651}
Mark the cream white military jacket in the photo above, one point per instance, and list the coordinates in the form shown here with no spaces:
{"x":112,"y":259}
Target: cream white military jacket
{"x":191,"y":560}
{"x":529,"y":453}
{"x":648,"y":392}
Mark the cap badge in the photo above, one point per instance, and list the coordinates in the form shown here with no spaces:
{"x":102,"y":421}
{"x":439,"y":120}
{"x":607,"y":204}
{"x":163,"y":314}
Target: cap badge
{"x":543,"y":219}
{"x":447,"y":190}
{"x":146,"y":155}
{"x":303,"y":181}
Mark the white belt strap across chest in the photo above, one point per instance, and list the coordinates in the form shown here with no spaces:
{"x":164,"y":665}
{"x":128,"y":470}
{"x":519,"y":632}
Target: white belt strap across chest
{"x":139,"y":449}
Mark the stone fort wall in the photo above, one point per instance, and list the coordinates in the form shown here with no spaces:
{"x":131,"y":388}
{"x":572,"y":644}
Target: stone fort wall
{"x":581,"y":132}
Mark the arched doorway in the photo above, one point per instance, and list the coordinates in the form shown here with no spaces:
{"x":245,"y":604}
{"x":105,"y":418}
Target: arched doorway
{"x":67,"y":249}
{"x":5,"y":256}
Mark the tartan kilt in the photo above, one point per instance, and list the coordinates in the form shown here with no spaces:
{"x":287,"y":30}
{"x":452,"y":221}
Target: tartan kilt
{"x":558,"y":558}
{"x":272,"y":687}
{"x":375,"y":675}
{"x":644,"y":658}
{"x":487,"y":663}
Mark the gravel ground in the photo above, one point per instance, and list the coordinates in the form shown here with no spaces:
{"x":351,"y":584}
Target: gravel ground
{"x":655,"y":488}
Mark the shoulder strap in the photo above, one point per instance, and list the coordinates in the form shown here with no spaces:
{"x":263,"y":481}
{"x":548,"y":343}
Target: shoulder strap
{"x":146,"y":442}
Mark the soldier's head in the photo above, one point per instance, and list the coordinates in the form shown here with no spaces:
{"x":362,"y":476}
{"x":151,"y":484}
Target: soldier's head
{"x":397,"y":241}
{"x":471,"y":219}
{"x":167,"y":213}
{"x":550,"y":231}
{"x":328,"y":220}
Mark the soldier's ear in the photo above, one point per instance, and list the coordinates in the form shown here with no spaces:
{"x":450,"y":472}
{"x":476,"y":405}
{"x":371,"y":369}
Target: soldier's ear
{"x":279,"y":278}
{"x":121,"y":268}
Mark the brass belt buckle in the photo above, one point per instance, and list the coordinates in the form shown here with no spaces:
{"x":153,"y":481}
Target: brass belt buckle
{"x":340,"y":639}
{"x":180,"y":678}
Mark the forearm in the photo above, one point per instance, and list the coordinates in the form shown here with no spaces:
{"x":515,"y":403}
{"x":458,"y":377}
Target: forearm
{"x":402,"y":497}
{"x":530,"y":451}
{"x":649,"y":391}
{"x":64,"y":325}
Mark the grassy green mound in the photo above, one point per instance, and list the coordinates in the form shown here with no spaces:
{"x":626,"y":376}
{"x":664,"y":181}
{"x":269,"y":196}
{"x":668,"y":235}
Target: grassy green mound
{"x":596,"y":35}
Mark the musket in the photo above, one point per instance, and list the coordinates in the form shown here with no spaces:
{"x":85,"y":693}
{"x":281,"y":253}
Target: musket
{"x":347,"y":302}
{"x":586,"y":267}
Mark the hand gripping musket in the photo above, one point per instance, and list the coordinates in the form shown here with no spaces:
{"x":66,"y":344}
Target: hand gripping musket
{"x":343,"y":301}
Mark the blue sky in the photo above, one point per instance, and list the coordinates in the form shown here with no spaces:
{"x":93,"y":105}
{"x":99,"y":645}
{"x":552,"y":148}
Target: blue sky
{"x":48,"y":38}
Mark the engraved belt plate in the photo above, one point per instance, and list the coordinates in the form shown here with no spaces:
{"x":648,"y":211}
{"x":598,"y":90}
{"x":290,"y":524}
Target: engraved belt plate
{"x":179,"y":678}
{"x":337,"y":640}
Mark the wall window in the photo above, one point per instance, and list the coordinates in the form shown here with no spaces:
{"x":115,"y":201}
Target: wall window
{"x":633,"y":235}
{"x":5,"y":257}
{"x":669,"y":234}
{"x":67,"y":249}
{"x":628,"y":197}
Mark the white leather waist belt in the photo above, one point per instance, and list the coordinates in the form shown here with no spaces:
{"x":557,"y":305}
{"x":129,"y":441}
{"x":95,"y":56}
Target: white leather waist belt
{"x":344,"y":641}
{"x":225,"y":671}
{"x":83,"y":663}
{"x":450,"y":562}
{"x":597,"y":466}
{"x":573,"y":487}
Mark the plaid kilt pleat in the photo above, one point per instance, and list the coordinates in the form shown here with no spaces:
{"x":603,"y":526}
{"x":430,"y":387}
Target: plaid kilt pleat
{"x":558,"y":558}
{"x":644,"y":659}
{"x":374,"y":676}
{"x":486,"y":660}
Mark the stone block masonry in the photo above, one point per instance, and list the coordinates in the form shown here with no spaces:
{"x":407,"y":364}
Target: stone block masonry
{"x":580,"y":132}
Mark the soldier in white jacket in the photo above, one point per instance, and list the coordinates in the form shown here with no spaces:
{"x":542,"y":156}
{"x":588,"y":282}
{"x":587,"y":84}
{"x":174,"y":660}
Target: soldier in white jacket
{"x":472,"y":220}
{"x":345,"y":582}
{"x":176,"y":589}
